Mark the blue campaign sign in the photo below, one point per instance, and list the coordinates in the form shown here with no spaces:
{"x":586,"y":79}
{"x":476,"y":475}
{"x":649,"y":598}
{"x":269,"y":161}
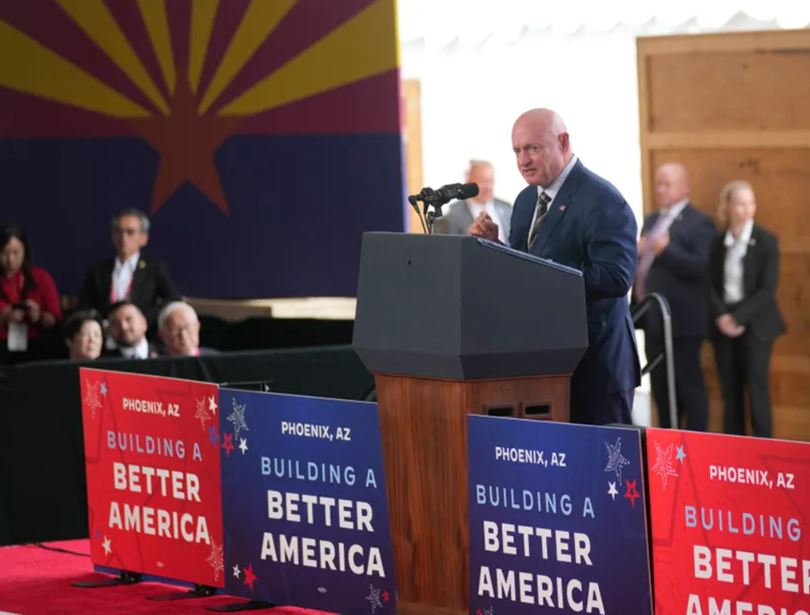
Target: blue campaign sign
{"x":305,"y":511}
{"x":557,"y":519}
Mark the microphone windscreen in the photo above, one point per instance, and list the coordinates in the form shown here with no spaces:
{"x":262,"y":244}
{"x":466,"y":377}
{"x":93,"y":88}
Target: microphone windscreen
{"x":467,"y":191}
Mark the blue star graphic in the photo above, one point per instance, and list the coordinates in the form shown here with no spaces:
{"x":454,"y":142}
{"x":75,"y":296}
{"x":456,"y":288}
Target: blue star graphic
{"x":681,"y":455}
{"x":213,"y":436}
{"x":103,"y":388}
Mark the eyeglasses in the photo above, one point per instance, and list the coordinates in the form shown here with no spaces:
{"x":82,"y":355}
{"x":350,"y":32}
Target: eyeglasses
{"x":126,"y":231}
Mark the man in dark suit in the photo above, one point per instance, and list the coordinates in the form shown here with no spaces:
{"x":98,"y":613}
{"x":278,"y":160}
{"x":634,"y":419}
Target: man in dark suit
{"x":129,"y":276}
{"x":128,"y":331}
{"x":458,"y":217}
{"x":573,"y":217}
{"x":673,"y":261}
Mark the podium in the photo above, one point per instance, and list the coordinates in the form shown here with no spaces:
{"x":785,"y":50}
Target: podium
{"x":452,"y":325}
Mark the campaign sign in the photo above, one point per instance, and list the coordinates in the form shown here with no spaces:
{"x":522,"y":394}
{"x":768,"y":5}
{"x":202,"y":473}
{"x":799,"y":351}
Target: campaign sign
{"x":304,"y":503}
{"x":557,"y":519}
{"x":153,"y":481}
{"x":729,"y":516}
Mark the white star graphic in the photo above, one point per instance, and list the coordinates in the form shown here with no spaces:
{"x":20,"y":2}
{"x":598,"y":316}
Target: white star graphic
{"x":489,"y":611}
{"x":238,"y":418}
{"x":212,"y":404}
{"x":106,"y":545}
{"x":615,"y":459}
{"x":215,"y":559}
{"x":236,"y":571}
{"x":374,"y":599}
{"x":91,"y":399}
{"x":612,"y":491}
{"x":663,"y":464}
{"x":243,"y":445}
{"x":202,"y":412}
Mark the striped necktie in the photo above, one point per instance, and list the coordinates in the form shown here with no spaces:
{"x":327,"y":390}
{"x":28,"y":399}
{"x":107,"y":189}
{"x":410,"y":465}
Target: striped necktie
{"x":540,"y":214}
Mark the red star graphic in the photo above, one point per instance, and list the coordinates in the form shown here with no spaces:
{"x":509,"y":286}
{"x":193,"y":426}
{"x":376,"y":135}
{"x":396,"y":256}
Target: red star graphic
{"x":479,"y":612}
{"x":249,"y":576}
{"x":228,"y":444}
{"x":386,"y":596}
{"x":631,"y":492}
{"x":186,"y":142}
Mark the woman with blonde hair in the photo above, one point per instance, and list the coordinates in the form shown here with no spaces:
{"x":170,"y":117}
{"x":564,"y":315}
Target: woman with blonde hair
{"x":744,"y":275}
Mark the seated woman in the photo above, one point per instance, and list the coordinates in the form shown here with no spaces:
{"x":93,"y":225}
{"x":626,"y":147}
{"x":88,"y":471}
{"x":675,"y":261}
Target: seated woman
{"x":29,"y":301}
{"x":744,"y":274}
{"x":83,"y":335}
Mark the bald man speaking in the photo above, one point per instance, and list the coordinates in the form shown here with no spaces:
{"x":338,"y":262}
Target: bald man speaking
{"x":571,"y":216}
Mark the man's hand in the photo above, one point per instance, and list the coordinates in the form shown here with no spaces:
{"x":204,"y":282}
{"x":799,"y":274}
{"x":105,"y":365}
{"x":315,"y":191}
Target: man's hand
{"x":729,"y":327}
{"x":484,"y":227}
{"x":10,"y":314}
{"x":660,"y":243}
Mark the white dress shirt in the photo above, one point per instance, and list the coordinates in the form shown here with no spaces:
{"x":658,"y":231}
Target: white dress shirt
{"x":736,"y":249}
{"x":489,"y":207}
{"x":122,"y":277}
{"x":552,"y":191}
{"x":140,"y":351}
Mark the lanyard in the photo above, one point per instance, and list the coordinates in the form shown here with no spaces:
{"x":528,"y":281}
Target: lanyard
{"x":115,"y":299}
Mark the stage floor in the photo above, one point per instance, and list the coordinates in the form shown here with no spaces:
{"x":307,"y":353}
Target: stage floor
{"x":36,"y":581}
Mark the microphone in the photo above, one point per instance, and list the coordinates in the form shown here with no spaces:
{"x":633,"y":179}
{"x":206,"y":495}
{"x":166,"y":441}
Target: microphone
{"x":447,"y":193}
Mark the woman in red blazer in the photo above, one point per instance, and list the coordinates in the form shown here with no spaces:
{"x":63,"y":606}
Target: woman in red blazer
{"x":29,"y":301}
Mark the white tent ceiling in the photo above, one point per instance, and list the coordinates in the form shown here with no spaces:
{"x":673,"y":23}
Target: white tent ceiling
{"x":471,"y":22}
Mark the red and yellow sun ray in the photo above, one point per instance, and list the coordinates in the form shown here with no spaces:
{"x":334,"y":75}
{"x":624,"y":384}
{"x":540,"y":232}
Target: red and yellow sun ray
{"x":56,"y":78}
{"x":157,"y":25}
{"x":358,"y":49}
{"x":203,"y":14}
{"x":95,"y":19}
{"x":258,"y":22}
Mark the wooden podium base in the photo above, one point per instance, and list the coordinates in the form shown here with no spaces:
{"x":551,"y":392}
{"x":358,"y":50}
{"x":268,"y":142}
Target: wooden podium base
{"x":424,"y":441}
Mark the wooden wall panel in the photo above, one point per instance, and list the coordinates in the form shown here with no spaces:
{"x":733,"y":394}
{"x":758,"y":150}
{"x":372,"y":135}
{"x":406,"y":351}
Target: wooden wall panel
{"x":737,"y":106}
{"x":412,"y":95}
{"x":724,"y":90}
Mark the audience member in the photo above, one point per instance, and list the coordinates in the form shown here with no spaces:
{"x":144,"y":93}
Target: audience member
{"x":179,"y":329}
{"x":83,"y":335}
{"x":29,"y":301}
{"x":129,"y":276}
{"x":128,"y":328}
{"x":459,"y":216}
{"x":673,"y":258}
{"x":744,"y":266}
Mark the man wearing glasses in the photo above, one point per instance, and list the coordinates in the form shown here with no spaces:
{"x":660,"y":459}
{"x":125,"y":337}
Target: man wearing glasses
{"x":129,"y":276}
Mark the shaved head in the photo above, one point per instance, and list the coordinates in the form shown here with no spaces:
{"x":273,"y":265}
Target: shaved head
{"x":542,"y":145}
{"x":671,"y":184}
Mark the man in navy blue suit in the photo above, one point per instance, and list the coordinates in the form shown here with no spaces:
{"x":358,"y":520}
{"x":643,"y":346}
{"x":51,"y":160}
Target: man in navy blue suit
{"x":673,"y":262}
{"x":571,"y":216}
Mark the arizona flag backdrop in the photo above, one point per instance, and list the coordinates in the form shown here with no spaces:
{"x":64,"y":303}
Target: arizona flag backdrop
{"x":263,"y":137}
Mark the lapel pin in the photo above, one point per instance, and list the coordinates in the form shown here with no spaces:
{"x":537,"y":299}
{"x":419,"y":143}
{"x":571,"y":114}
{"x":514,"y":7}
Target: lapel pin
{"x":752,"y":242}
{"x":141,"y":264}
{"x":562,"y":207}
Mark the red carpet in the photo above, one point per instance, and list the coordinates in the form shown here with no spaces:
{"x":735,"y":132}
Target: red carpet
{"x":35,"y":581}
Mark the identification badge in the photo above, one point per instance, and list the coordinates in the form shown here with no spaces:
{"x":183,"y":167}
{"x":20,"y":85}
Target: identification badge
{"x":17,"y":337}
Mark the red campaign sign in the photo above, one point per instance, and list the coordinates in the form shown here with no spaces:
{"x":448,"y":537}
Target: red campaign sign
{"x":729,"y":518}
{"x":153,"y":477}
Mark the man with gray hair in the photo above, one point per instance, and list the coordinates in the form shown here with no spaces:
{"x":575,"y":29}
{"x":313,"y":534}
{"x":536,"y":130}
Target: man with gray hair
{"x":129,"y":276}
{"x":459,"y":216}
{"x":179,"y":329}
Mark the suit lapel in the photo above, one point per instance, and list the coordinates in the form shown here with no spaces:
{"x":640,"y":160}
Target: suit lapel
{"x":466,"y":215}
{"x":749,"y":264}
{"x":559,"y":207}
{"x":105,"y":283}
{"x":138,"y":278}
